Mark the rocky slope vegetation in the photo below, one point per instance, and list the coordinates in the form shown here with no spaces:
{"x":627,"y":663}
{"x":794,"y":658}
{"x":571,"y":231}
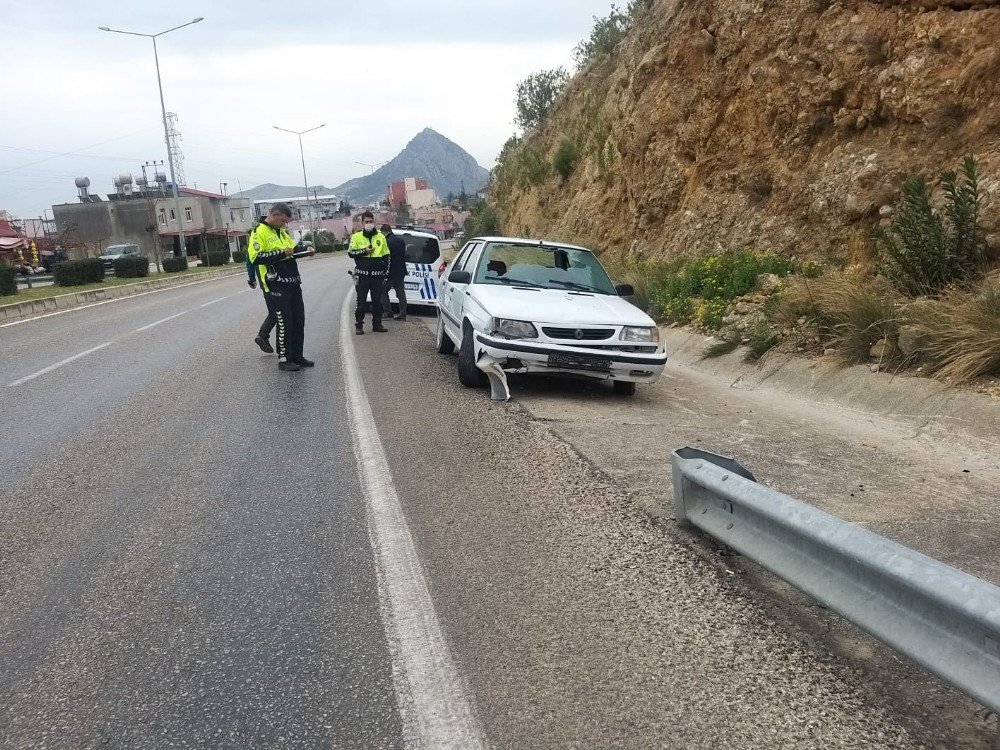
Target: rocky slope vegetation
{"x":784,"y":125}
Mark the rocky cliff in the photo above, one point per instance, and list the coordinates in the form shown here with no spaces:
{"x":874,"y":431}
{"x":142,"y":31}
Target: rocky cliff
{"x":785,"y":125}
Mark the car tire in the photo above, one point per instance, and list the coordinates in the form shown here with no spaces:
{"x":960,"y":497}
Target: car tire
{"x":468,"y":374}
{"x":624,"y":387}
{"x":444,"y":343}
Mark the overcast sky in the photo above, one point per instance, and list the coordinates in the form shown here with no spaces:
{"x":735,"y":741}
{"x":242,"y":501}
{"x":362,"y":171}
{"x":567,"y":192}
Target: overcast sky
{"x":376,"y":74}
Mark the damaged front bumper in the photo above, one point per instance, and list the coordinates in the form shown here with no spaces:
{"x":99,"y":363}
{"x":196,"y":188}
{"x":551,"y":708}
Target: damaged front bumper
{"x":497,"y":356}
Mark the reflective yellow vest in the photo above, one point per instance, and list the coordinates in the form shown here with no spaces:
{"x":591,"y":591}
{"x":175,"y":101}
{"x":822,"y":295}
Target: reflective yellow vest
{"x":380,"y":248}
{"x":267,"y":247}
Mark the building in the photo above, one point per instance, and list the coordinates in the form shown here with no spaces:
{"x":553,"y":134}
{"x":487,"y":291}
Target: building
{"x":303,"y":208}
{"x":412,"y":191}
{"x":145,"y":215}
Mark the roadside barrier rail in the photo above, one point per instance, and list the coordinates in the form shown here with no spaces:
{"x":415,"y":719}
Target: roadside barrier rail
{"x":942,"y":618}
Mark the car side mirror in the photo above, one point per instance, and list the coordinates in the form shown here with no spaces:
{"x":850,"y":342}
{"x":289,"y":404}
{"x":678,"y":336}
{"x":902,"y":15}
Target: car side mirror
{"x":460,"y":277}
{"x":625,"y":290}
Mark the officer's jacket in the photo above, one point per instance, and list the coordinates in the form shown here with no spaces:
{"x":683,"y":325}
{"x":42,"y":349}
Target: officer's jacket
{"x":266,"y":251}
{"x":377,"y":261}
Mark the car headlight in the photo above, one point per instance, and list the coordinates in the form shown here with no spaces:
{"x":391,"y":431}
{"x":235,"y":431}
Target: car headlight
{"x":515,"y":329}
{"x":641,"y":334}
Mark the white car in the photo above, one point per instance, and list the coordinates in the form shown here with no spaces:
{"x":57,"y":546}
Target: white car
{"x":515,"y":305}
{"x":424,"y":265}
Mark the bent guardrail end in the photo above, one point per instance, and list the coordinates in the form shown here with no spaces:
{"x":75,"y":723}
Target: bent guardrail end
{"x":688,"y":453}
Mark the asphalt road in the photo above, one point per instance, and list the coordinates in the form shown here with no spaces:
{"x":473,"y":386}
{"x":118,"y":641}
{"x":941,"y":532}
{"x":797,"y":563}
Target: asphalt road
{"x":202,"y":551}
{"x":185,"y":548}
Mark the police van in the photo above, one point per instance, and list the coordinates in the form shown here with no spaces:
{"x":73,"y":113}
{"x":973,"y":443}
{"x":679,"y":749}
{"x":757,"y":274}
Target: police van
{"x":424,"y":264}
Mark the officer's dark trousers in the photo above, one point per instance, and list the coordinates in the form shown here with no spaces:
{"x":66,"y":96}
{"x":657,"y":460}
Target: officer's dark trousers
{"x":268,"y":325}
{"x":369,"y":286}
{"x":285,"y":304}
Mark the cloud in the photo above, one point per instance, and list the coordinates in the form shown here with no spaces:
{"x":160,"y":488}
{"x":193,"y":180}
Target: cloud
{"x":375,"y":77}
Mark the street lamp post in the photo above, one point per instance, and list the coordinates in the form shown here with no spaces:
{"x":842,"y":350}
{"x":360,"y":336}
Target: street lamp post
{"x":163,"y":111}
{"x":302,"y":154}
{"x":372,"y":167}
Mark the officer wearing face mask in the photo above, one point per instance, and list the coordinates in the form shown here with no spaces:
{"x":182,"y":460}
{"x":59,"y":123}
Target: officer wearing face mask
{"x":371,"y":260}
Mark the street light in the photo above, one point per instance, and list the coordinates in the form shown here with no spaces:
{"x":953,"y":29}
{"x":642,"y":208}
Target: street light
{"x":302,"y":154}
{"x":372,"y":167}
{"x":163,"y":110}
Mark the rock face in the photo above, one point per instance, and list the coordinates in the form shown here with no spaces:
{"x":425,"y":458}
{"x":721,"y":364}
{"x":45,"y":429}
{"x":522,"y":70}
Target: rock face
{"x":789,"y":126}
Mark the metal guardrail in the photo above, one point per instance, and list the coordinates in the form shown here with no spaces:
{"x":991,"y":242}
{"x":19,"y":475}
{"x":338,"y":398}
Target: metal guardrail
{"x":938,"y":616}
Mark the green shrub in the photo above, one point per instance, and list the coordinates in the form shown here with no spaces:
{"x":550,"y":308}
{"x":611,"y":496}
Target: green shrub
{"x":566,"y":158}
{"x":322,"y":240}
{"x":607,"y":32}
{"x":484,"y":221}
{"x":175,"y":264}
{"x":700,"y":290}
{"x":239,"y":256}
{"x":760,"y":340}
{"x":537,"y":95}
{"x":530,"y":166}
{"x":923,"y":253}
{"x":215,"y":257}
{"x":8,"y":279}
{"x":131,"y":266}
{"x":78,"y":272}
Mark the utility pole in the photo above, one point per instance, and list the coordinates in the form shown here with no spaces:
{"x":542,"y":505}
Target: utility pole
{"x":152,"y":209}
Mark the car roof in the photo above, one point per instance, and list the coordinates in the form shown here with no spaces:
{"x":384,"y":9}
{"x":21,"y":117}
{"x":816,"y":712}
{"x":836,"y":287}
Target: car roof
{"x":415,"y":233}
{"x":530,"y":241}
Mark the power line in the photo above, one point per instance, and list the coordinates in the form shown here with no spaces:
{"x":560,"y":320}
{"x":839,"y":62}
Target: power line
{"x":75,"y":152}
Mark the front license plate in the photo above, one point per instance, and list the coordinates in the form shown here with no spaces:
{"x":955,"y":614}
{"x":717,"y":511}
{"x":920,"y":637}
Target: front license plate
{"x":411,"y":286}
{"x":578,"y":362}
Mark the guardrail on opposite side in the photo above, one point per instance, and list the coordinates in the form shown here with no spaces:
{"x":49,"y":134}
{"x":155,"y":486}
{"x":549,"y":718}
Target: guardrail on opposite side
{"x":938,"y":616}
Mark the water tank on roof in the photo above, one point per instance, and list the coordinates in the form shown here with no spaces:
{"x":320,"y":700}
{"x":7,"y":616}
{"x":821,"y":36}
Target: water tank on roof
{"x":82,"y":183}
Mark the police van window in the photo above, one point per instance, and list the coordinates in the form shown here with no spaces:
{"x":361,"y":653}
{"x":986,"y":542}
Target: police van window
{"x":421,"y":249}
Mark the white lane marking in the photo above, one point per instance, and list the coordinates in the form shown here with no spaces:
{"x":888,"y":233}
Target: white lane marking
{"x":164,"y":320}
{"x":116,"y":299}
{"x":434,"y":707}
{"x":217,"y":300}
{"x":57,"y":365}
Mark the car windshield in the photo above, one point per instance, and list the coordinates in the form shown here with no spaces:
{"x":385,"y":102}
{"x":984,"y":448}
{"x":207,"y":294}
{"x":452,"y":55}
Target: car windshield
{"x":421,"y":249}
{"x":117,"y":249}
{"x":543,"y":267}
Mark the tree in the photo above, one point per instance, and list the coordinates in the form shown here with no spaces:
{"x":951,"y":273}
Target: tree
{"x":537,"y":95}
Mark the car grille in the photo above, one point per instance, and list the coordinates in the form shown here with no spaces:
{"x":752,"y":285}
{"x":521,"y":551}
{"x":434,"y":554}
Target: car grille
{"x":579,"y":334}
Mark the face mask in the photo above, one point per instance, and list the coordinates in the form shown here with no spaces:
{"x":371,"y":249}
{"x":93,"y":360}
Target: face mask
{"x":369,"y":227}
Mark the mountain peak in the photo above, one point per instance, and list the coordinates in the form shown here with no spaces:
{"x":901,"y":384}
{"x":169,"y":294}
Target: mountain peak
{"x":446,"y":166}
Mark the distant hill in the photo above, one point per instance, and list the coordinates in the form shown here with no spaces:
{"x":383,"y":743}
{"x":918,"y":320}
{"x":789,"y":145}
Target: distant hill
{"x":445,"y":165}
{"x":270,"y":190}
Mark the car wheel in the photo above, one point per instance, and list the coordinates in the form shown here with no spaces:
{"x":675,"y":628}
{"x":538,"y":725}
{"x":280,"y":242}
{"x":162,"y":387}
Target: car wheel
{"x":444,"y":343}
{"x":469,"y":375}
{"x":624,"y":387}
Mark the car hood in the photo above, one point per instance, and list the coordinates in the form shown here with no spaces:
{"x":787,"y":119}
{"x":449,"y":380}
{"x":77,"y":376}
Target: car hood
{"x":558,"y":307}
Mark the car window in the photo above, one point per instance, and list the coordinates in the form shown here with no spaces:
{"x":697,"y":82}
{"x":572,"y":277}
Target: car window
{"x":543,"y":266}
{"x":467,"y":253}
{"x":421,"y":249}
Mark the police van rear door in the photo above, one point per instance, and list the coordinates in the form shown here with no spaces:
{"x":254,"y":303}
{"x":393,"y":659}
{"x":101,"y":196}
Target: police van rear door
{"x":423,"y":256}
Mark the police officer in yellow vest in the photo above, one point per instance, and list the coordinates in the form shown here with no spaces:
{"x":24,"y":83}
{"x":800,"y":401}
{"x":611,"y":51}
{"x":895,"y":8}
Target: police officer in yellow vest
{"x":272,"y":252}
{"x":371,"y":259}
